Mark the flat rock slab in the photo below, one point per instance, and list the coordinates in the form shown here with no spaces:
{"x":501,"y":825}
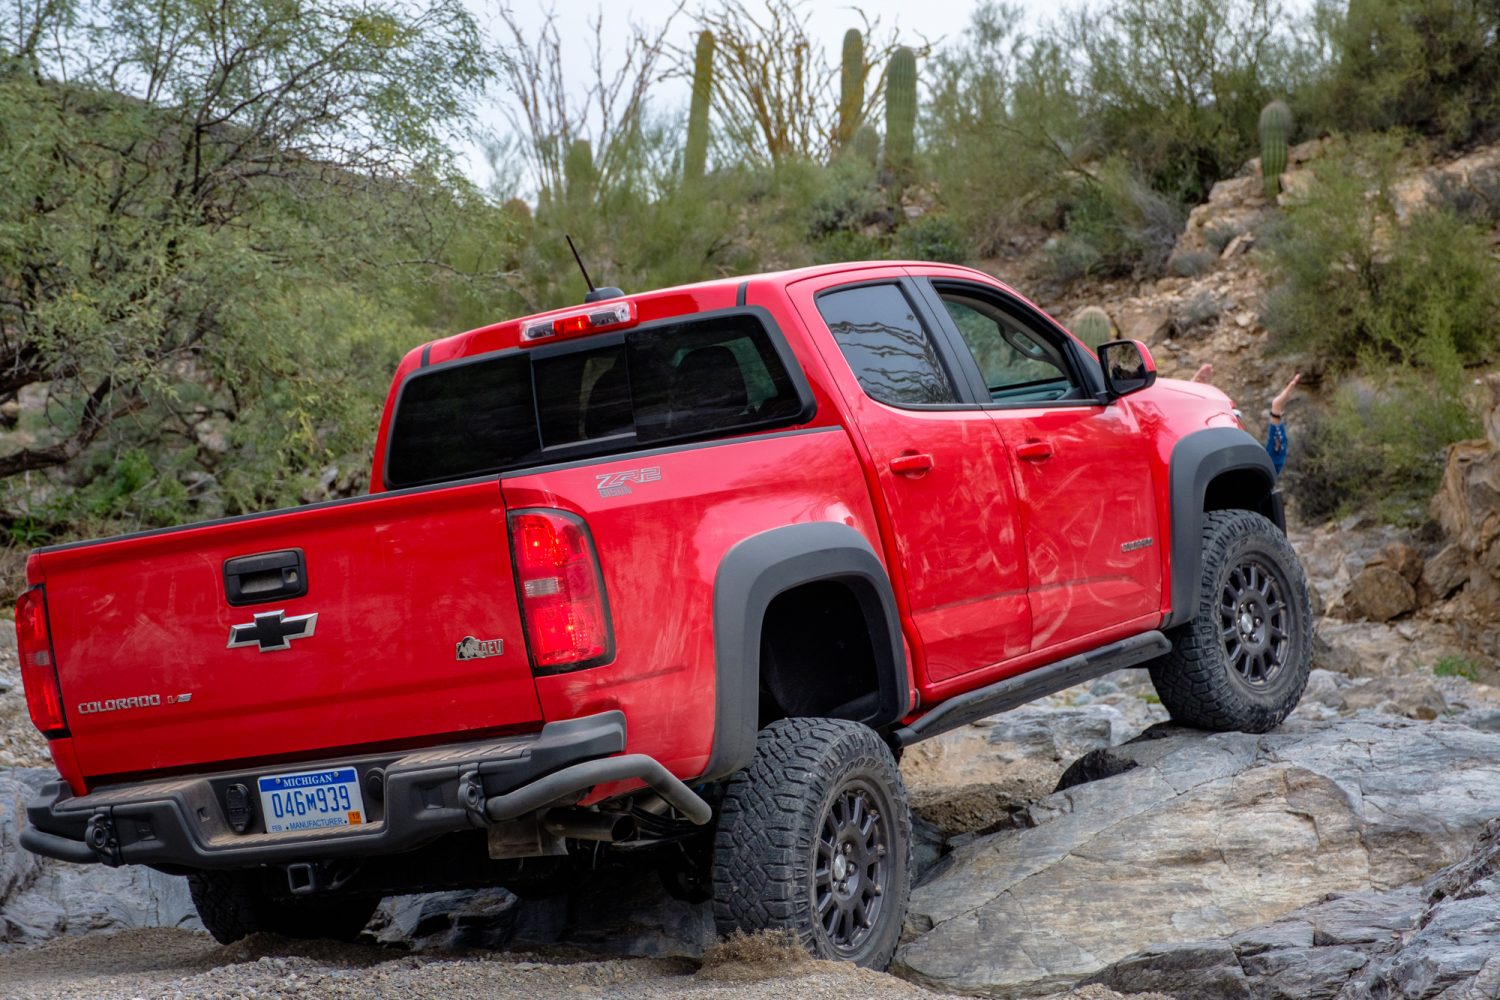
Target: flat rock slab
{"x":41,"y":898}
{"x":1438,"y":939}
{"x":1203,"y":837}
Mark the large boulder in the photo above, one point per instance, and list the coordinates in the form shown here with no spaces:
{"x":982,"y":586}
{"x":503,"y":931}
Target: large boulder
{"x":1440,"y":938}
{"x":41,"y":898}
{"x":1467,"y":505}
{"x":1380,"y":593}
{"x":1446,"y":572}
{"x":1199,"y":837}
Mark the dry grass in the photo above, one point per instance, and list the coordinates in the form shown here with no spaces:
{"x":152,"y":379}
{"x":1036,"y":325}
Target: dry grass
{"x":742,"y":957}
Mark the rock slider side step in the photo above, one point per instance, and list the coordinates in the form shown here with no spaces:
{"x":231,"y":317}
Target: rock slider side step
{"x":1039,"y":682}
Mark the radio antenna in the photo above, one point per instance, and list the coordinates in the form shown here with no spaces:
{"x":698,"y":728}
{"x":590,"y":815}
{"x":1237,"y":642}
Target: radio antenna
{"x":595,"y":294}
{"x":586,"y":279}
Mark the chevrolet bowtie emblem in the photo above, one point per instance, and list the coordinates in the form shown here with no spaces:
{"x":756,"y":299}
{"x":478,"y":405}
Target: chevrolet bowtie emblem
{"x":272,"y":630}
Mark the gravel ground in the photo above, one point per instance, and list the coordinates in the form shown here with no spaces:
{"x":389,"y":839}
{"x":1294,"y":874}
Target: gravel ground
{"x":171,"y":963}
{"x":176,"y":965}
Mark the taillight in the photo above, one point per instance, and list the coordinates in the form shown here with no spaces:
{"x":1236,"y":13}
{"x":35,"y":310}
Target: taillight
{"x":38,"y":672}
{"x":561,"y":591}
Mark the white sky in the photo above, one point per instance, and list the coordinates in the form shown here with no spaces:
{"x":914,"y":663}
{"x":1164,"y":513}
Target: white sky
{"x":933,"y":19}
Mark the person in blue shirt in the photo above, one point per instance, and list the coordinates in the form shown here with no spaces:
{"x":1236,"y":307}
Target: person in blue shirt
{"x":1275,"y":430}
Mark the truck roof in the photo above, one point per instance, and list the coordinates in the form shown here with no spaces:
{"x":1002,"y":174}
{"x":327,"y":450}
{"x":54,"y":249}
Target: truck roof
{"x":716,"y":293}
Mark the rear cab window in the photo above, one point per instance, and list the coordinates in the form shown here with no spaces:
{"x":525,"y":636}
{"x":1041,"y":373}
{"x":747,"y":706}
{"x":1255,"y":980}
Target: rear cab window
{"x":702,"y":376}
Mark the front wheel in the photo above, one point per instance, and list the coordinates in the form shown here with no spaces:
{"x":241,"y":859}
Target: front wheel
{"x":814,"y":837}
{"x":1242,"y":662}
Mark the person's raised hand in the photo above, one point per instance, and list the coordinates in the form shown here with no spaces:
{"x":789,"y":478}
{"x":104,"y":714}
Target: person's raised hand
{"x":1203,"y":374}
{"x":1278,"y":404}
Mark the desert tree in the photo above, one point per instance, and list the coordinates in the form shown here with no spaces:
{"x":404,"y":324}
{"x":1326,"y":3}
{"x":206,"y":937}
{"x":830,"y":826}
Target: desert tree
{"x":174,"y":168}
{"x":775,"y":91}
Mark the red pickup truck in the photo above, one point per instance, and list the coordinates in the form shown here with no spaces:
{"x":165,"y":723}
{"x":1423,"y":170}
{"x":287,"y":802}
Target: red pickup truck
{"x":670,"y":577}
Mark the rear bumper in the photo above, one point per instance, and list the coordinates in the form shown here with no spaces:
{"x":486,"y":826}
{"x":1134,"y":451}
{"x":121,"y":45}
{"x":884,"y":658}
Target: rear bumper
{"x":411,"y":799}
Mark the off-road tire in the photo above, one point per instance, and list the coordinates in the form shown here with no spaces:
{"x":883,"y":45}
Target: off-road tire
{"x":233,"y":905}
{"x":1252,"y":616}
{"x":813,"y":780}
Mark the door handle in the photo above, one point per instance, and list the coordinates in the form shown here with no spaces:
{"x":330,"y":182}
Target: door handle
{"x":911,"y":464}
{"x":1034,"y":451}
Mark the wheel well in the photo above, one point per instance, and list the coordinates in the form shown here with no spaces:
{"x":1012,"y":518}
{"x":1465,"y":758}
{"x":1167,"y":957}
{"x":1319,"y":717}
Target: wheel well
{"x":1241,"y":489}
{"x":816,"y":658}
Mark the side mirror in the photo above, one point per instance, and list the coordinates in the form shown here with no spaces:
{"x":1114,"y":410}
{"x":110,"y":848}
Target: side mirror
{"x":1127,"y":367}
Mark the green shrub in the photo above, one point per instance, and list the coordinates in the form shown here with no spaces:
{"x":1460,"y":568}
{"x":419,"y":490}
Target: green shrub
{"x":1001,"y":127}
{"x":1457,"y":666}
{"x":1351,"y":281}
{"x":844,"y":197}
{"x":1116,"y":226}
{"x":1378,"y":445}
{"x":1428,"y":65}
{"x":1177,"y":87}
{"x":1218,"y":234}
{"x":932,"y":237}
{"x":1192,"y":263}
{"x":846,"y":245}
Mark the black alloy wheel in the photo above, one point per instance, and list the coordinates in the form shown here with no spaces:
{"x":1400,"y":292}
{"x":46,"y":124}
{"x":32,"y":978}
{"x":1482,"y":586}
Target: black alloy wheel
{"x":1253,"y":622}
{"x":1242,"y":662}
{"x":850,"y":872}
{"x":814,"y":837}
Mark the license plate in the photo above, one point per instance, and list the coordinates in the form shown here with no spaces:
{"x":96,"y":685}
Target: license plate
{"x":311,"y":800}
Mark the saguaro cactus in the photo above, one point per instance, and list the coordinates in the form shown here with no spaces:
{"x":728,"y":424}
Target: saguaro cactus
{"x":518,"y":212}
{"x":866,"y":144}
{"x":851,"y":87}
{"x":1092,"y":325}
{"x":579,"y":175}
{"x":1275,"y":129}
{"x":695,"y":158}
{"x":901,"y":112}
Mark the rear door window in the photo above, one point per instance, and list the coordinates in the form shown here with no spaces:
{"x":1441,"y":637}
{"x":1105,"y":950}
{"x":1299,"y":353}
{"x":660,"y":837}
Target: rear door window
{"x":886,"y":345}
{"x":676,"y":381}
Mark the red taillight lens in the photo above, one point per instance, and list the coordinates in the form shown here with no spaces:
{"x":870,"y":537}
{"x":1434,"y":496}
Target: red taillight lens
{"x":38,"y":672}
{"x":561,"y":591}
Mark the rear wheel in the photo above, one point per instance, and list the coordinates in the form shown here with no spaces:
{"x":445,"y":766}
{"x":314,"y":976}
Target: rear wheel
{"x":1242,"y":662}
{"x":814,"y":837}
{"x":235,"y":904}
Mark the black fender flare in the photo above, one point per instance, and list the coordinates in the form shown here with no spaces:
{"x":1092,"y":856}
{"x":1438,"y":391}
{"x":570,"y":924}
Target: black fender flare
{"x":753,"y":572}
{"x":1197,"y":459}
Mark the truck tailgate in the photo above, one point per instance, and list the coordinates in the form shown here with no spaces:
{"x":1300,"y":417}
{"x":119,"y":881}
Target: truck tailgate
{"x":152,"y":676}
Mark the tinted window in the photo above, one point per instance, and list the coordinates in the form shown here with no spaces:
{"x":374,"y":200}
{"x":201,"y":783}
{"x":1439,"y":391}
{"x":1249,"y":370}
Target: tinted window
{"x":663,"y":383}
{"x":693,"y":378}
{"x":886,"y":346}
{"x":1018,"y":364}
{"x":457,"y":421}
